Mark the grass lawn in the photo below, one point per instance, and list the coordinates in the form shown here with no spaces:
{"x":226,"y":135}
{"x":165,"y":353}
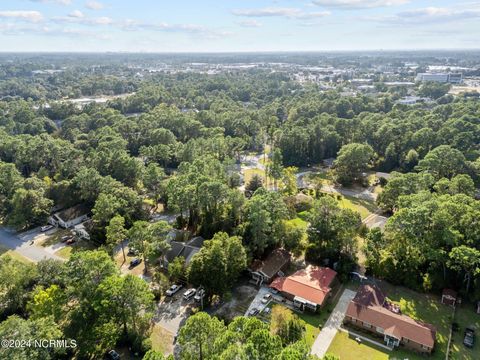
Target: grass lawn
{"x":298,"y":222}
{"x":346,"y":348}
{"x":364,"y":207}
{"x":321,"y":177}
{"x":80,"y":245}
{"x":162,"y":340}
{"x":54,"y":238}
{"x":249,"y":173}
{"x":313,"y":323}
{"x":13,"y":254}
{"x":465,"y":316}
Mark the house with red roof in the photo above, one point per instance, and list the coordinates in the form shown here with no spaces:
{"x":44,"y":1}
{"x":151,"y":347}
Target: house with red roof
{"x":308,"y":288}
{"x":371,"y":311}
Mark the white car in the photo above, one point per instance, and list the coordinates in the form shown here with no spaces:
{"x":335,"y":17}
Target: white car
{"x":199,"y":295}
{"x":46,"y":228}
{"x":187,"y":295}
{"x":266,"y":298}
{"x":173,"y":290}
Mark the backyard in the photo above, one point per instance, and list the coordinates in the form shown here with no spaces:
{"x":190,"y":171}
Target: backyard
{"x":465,"y":316}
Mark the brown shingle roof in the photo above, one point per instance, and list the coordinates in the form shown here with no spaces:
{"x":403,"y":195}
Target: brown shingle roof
{"x":273,"y":263}
{"x":312,"y":283}
{"x":368,"y":306}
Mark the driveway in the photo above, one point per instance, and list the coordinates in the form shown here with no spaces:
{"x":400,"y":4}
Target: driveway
{"x":375,"y":220}
{"x":172,"y":312}
{"x":329,"y":330}
{"x":22,"y":243}
{"x":257,"y":301}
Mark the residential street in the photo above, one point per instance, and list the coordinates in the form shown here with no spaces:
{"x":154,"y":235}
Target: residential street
{"x":21,"y":243}
{"x":324,"y":339}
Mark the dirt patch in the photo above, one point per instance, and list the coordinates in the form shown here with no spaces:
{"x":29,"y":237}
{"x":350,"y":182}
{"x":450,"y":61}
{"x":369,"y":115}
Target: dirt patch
{"x":242,"y":296}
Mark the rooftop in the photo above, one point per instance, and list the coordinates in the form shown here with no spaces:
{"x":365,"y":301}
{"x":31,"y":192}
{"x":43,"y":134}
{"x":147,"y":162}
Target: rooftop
{"x":370,"y":306}
{"x":312,"y":283}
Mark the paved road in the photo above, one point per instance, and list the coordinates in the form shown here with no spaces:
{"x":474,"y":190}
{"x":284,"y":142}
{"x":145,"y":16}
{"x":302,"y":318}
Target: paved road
{"x":22,"y":244}
{"x":329,"y":330}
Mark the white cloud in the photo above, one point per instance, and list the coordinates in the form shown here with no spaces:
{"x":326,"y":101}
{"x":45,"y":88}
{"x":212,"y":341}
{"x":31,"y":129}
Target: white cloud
{"x":61,"y":2}
{"x":76,"y":14}
{"x":430,"y":15}
{"x":292,"y":13}
{"x":79,"y":18}
{"x":32,"y":16}
{"x":359,"y":4}
{"x":250,"y":23}
{"x":94,"y":5}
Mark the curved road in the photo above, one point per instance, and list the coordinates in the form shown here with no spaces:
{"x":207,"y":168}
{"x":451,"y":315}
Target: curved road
{"x":21,"y":244}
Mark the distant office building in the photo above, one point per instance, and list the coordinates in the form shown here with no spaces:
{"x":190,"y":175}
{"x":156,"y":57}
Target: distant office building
{"x":451,"y":78}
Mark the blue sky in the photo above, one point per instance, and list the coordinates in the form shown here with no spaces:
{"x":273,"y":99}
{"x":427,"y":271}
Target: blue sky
{"x":237,"y":25}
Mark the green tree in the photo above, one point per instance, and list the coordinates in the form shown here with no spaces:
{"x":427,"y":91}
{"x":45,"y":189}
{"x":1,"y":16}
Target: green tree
{"x":467,"y":260}
{"x":116,"y":234}
{"x":16,"y":279}
{"x":16,"y":328}
{"x":443,"y":162}
{"x":47,"y":302}
{"x":176,"y":269}
{"x":198,"y":335}
{"x":352,"y":160}
{"x":287,"y":325}
{"x":29,"y":208}
{"x":332,"y":229}
{"x":218,"y":263}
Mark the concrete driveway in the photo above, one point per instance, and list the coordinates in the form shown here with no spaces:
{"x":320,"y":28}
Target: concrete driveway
{"x":329,"y":330}
{"x":172,"y":312}
{"x":22,"y":243}
{"x":257,"y":301}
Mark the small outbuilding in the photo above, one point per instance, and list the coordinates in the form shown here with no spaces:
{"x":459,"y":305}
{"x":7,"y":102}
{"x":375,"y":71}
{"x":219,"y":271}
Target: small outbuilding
{"x":449,"y":297}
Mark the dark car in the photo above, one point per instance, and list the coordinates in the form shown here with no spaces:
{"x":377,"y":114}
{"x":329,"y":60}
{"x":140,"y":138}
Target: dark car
{"x":66,"y":238}
{"x":135,"y":262}
{"x":469,"y":339}
{"x":113,"y":355}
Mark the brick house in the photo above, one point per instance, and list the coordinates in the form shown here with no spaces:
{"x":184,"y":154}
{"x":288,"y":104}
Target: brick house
{"x":370,"y":311}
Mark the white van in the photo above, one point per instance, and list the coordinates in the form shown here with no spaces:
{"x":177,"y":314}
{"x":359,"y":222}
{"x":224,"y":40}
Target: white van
{"x":189,"y":294}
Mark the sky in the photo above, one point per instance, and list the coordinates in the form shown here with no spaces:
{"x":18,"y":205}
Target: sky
{"x":237,"y":25}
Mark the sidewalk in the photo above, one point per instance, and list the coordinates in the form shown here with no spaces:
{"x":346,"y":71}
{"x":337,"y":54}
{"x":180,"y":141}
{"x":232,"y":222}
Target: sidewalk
{"x":324,"y":339}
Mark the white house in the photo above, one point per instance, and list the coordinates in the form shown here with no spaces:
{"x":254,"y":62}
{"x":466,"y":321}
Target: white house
{"x":69,"y":217}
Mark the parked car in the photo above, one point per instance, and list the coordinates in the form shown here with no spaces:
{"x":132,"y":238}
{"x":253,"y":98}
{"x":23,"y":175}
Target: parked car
{"x":273,"y":291}
{"x":199,"y":295}
{"x":266,"y":298}
{"x":46,"y":228}
{"x":113,"y":355}
{"x":173,"y":290}
{"x":253,"y":312}
{"x":66,"y":238}
{"x":71,"y":241}
{"x":135,"y":262}
{"x":132,"y":252}
{"x":187,"y":295}
{"x":469,"y":339}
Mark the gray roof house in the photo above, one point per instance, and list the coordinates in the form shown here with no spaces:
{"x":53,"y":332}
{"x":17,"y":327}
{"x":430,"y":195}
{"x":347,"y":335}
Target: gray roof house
{"x":184,"y":249}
